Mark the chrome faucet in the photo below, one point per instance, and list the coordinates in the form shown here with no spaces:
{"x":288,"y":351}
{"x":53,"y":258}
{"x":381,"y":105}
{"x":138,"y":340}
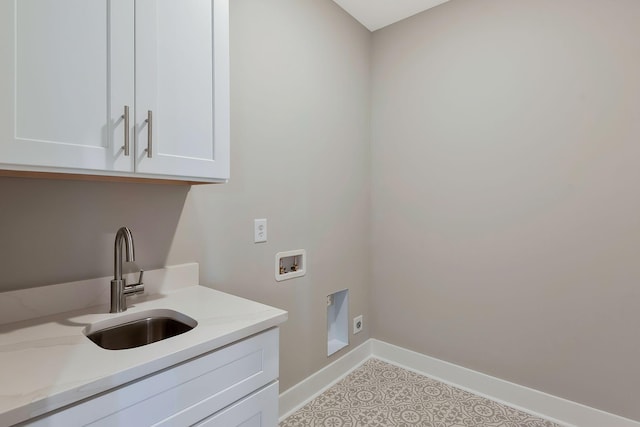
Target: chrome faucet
{"x":119,"y":288}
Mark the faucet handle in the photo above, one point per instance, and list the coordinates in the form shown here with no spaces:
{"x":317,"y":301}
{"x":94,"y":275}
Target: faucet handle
{"x":136,"y":288}
{"x":140,"y":278}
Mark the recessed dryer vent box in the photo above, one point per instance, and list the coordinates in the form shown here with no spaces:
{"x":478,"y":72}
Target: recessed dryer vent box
{"x":337,"y":321}
{"x":291,"y":264}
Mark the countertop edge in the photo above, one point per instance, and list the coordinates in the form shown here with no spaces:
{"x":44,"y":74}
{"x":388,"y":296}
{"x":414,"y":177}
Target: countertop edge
{"x":272,"y":317}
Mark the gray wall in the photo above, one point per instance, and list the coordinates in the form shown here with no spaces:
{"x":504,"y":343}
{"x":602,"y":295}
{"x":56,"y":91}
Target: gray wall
{"x":506,"y":210}
{"x":300,"y":158}
{"x":55,"y":231}
{"x":506,"y":233}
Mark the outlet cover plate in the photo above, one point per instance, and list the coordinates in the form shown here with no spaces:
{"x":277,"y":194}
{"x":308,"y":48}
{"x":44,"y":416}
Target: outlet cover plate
{"x":357,"y":324}
{"x":260,"y":230}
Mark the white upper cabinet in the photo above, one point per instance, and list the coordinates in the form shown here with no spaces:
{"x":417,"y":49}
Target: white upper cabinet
{"x":180,"y":65}
{"x":64,"y":79}
{"x":71,"y":69}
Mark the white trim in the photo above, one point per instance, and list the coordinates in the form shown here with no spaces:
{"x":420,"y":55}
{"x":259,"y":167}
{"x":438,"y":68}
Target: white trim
{"x":307,"y":389}
{"x":556,"y":409}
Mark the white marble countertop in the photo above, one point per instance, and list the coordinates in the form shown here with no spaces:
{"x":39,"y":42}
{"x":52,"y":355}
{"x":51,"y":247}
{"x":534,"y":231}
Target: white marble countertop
{"x":47,"y":362}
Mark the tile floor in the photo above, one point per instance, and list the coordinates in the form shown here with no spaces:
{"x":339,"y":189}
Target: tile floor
{"x":384,"y":395}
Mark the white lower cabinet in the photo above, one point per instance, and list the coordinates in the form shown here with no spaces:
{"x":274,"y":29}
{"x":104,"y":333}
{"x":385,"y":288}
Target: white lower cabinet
{"x":233,"y":386}
{"x":256,"y":410}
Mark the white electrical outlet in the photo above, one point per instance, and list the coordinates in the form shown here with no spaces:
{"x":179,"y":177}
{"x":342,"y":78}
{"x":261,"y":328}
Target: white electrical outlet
{"x":259,"y":230}
{"x":357,"y":324}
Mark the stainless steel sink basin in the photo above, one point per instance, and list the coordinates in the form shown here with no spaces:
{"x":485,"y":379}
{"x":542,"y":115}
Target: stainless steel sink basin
{"x":139,"y":329}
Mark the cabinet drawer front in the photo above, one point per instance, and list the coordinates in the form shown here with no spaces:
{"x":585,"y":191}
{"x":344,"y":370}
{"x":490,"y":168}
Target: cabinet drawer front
{"x":189,"y":392}
{"x":257,"y":410}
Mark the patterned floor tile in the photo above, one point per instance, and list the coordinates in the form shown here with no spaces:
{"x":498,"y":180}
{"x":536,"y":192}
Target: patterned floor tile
{"x":379,"y":394}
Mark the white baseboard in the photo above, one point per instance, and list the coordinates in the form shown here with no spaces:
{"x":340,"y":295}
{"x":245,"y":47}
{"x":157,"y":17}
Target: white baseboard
{"x":298,"y":395}
{"x":553,"y":408}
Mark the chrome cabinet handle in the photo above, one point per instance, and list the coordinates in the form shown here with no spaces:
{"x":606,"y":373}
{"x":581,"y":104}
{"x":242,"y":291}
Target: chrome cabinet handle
{"x":125,"y":116}
{"x":149,"y":122}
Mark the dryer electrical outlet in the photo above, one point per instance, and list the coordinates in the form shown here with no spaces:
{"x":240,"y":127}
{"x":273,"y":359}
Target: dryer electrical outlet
{"x":357,"y":324}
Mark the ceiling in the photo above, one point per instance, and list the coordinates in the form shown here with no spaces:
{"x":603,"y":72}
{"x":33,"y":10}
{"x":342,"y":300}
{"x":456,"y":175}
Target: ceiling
{"x":375,"y":14}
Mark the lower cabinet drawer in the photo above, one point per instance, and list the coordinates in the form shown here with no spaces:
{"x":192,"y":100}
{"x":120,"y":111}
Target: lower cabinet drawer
{"x":257,"y":410}
{"x":182,"y":395}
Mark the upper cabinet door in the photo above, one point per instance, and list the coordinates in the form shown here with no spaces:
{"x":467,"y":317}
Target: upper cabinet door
{"x":66,"y":74}
{"x":182,"y":88}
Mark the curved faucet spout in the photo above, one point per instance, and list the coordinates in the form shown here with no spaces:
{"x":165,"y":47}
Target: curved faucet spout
{"x":119,"y":288}
{"x":123,"y":237}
